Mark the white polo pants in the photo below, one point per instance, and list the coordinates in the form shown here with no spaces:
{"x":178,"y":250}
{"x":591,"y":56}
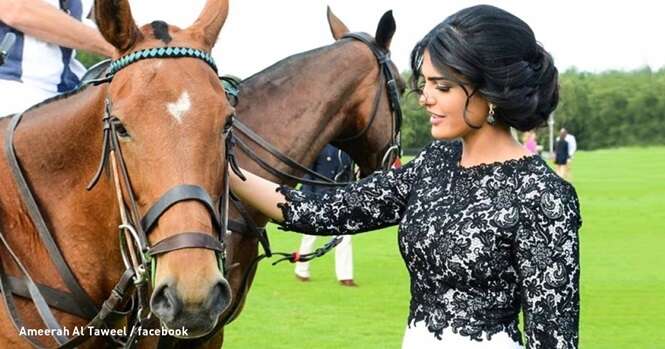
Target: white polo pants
{"x":343,"y":257}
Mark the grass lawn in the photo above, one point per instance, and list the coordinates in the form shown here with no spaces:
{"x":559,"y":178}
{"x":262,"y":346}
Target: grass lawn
{"x":622,"y":195}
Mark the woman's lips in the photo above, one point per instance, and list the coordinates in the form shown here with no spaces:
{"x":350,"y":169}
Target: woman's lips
{"x":436,"y":119}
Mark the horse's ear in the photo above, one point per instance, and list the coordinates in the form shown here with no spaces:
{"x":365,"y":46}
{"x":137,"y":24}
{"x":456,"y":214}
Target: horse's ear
{"x":385,"y":30}
{"x":211,"y":20}
{"x":115,"y":22}
{"x":337,"y":27}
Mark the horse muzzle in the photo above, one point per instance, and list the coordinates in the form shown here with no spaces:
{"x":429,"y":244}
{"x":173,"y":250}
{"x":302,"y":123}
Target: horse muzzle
{"x":196,"y":319}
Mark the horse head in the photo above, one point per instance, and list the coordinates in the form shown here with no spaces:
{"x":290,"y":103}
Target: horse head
{"x":168,"y":118}
{"x":373,"y":120}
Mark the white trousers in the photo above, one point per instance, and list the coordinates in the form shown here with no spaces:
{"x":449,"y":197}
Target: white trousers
{"x":16,"y":96}
{"x":343,"y":257}
{"x":418,"y":337}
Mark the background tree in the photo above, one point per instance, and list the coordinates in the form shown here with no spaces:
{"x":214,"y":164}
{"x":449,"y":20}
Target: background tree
{"x":602,"y":110}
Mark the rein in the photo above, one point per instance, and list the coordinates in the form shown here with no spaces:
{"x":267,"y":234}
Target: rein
{"x":137,"y":255}
{"x":383,"y":58}
{"x":386,"y":74}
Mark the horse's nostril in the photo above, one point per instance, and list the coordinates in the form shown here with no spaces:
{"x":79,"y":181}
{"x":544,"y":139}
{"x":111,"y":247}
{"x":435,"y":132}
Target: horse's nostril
{"x":219,"y":297}
{"x":165,"y":303}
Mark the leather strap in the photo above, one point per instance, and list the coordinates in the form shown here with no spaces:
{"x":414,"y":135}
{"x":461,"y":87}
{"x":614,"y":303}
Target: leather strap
{"x":36,"y":293}
{"x":282,"y":174}
{"x":375,"y":111}
{"x":40,"y":303}
{"x":178,"y":194}
{"x":244,"y":129}
{"x":103,"y":317}
{"x":82,"y":299}
{"x":186,"y":240}
{"x":232,"y":314}
{"x":250,"y":225}
{"x":383,"y":58}
{"x":55,"y":298}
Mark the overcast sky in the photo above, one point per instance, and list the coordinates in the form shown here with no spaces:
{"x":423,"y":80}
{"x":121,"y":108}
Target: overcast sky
{"x":590,"y":35}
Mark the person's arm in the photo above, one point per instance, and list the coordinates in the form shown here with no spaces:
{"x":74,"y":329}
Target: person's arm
{"x":547,"y":251}
{"x":572,"y":146}
{"x":374,"y":202}
{"x":259,"y":193}
{"x":50,"y":24}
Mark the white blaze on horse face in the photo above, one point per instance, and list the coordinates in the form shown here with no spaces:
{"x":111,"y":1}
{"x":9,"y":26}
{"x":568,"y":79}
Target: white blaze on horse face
{"x":180,"y":107}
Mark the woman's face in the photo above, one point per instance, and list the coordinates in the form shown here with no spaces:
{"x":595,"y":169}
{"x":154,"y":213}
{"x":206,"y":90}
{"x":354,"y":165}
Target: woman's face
{"x":444,"y":100}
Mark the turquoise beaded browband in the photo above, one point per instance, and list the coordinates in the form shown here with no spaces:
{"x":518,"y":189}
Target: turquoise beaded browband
{"x":160,"y":52}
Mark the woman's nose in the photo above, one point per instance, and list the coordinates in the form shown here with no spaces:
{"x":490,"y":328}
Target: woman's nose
{"x":424,"y":99}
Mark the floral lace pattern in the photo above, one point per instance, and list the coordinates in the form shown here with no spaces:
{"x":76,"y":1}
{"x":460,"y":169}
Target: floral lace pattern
{"x":479,"y":243}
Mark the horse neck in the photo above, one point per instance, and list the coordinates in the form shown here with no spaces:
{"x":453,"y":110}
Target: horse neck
{"x":299,"y":104}
{"x":59,"y":147}
{"x":60,"y":142}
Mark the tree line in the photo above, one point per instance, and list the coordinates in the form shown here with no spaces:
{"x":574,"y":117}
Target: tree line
{"x":603,"y":110}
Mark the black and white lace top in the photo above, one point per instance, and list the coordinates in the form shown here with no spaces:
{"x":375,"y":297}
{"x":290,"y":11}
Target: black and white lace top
{"x":480,"y":243}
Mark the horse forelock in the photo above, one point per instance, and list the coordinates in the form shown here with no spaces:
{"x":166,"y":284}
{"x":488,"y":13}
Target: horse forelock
{"x":160,"y":30}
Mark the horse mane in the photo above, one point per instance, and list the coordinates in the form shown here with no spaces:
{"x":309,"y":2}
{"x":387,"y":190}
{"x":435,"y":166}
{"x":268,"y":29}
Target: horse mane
{"x":59,"y":97}
{"x":51,"y":100}
{"x":94,"y":72}
{"x":292,"y":58}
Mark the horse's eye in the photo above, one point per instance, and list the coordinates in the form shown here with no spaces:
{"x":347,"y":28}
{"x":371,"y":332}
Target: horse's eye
{"x":120,"y":129}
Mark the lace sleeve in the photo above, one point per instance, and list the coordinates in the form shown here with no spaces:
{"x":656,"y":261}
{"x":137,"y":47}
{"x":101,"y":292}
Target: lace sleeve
{"x":548,"y":261}
{"x":372,"y":203}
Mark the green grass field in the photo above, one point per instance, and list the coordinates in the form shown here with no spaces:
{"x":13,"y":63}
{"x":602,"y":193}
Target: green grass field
{"x":622,"y":195}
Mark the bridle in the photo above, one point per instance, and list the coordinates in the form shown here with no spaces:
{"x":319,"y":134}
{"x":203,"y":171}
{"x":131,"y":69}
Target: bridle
{"x":387,"y":78}
{"x":138,"y":255}
{"x":385,"y":74}
{"x":394,"y":146}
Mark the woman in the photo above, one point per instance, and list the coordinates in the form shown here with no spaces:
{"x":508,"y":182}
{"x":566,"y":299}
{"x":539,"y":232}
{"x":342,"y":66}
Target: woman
{"x":485,"y":229}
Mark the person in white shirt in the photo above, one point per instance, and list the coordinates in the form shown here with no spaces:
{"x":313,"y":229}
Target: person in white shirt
{"x":572,"y":148}
{"x":572,"y":144}
{"x":42,"y":62}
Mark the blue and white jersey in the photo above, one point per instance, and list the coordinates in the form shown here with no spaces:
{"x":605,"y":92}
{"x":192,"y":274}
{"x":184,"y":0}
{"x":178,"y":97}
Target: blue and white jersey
{"x":43,"y":65}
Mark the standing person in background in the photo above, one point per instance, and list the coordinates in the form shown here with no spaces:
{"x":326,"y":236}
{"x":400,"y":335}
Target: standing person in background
{"x":336,"y":165}
{"x":572,"y":148}
{"x":561,"y":155}
{"x":42,"y":62}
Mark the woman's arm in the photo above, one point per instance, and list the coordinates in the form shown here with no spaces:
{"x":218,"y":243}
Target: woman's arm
{"x":547,"y":251}
{"x":47,"y":23}
{"x":259,"y":193}
{"x":374,"y":202}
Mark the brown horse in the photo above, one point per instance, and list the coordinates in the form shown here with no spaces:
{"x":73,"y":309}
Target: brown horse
{"x":334,"y":94}
{"x":168,"y":117}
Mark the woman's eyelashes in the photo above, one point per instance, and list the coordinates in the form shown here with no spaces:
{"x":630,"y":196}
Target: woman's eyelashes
{"x":436,"y":83}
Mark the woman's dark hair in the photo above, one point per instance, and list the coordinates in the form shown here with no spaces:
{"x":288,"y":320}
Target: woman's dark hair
{"x":496,"y":54}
